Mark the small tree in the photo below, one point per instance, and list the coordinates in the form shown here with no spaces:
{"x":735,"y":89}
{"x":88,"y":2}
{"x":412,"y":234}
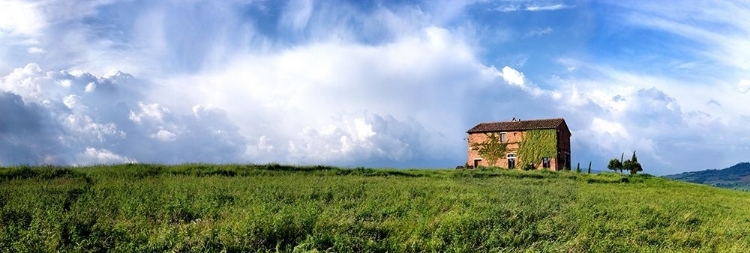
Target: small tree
{"x":632,"y":165}
{"x":589,"y":170}
{"x":622,"y":162}
{"x":492,"y":149}
{"x":578,"y":168}
{"x":614,"y":165}
{"x":635,"y":166}
{"x":627,"y":165}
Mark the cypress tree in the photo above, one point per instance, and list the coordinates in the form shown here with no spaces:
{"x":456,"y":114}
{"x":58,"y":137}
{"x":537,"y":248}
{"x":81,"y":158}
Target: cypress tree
{"x":635,"y":166}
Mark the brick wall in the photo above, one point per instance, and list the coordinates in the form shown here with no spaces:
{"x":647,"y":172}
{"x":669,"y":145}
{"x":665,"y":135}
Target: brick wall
{"x":563,"y":148}
{"x":513,"y":138}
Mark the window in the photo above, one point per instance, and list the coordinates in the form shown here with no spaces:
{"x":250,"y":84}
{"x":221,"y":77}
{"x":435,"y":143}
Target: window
{"x":502,"y":138}
{"x":545,"y":162}
{"x":511,"y":161}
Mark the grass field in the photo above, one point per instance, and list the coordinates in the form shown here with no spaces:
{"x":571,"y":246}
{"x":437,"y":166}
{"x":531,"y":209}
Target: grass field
{"x":269,"y":208}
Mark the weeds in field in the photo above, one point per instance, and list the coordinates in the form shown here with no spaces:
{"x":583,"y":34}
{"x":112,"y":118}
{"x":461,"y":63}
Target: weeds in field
{"x":241,"y":208}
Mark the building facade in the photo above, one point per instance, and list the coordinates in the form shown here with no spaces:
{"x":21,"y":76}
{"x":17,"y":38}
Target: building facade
{"x":544,"y":142}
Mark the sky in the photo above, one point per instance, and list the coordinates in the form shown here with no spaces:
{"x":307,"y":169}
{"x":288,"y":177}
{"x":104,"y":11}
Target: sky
{"x":370,"y":83}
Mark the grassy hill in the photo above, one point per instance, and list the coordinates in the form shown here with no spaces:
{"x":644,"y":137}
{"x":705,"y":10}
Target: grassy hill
{"x":735,"y":177}
{"x":240,"y":208}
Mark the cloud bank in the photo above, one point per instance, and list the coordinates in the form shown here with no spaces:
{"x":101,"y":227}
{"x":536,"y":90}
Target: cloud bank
{"x":307,"y":82}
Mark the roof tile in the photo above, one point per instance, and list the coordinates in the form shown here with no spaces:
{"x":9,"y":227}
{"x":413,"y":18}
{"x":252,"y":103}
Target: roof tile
{"x":518,"y":125}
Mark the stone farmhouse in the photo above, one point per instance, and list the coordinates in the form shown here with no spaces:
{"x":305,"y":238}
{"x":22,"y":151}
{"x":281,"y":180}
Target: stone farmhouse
{"x":541,"y":143}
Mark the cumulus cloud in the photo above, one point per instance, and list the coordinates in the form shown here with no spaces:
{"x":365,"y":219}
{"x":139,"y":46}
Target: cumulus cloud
{"x":148,"y":112}
{"x":621,"y":117}
{"x":164,"y":135}
{"x":364,"y":138}
{"x":340,"y":103}
{"x":303,"y":82}
{"x":333,"y":102}
{"x":513,"y":76}
{"x":56,"y":117}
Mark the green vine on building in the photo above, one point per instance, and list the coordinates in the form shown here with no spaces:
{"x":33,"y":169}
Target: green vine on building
{"x":492,"y":149}
{"x":538,"y":144}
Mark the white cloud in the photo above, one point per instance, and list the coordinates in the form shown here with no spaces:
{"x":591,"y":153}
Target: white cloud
{"x":532,"y":7}
{"x":360,"y":138}
{"x":538,"y":32}
{"x":335,"y":84}
{"x":621,"y":112}
{"x":19,"y":18}
{"x":164,"y":135}
{"x":743,"y":86}
{"x":82,"y":128}
{"x":148,"y":111}
{"x":203,"y":109}
{"x":321,"y":81}
{"x":35,"y":50}
{"x":513,"y":76}
{"x":362,"y":130}
{"x":27,"y":82}
{"x":90,"y":87}
{"x":45,"y":122}
{"x":101,"y":156}
{"x":613,"y":129}
{"x":553,"y":7}
{"x":71,"y":101}
{"x":264,"y":144}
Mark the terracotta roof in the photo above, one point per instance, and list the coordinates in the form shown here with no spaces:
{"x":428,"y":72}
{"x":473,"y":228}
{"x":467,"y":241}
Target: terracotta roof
{"x":518,"y":125}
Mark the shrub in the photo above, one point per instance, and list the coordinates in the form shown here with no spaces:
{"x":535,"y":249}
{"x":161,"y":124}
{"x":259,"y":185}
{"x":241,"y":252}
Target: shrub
{"x":614,"y":165}
{"x":529,"y":166}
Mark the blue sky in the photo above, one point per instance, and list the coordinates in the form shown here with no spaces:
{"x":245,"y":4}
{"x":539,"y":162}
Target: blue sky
{"x":370,"y":83}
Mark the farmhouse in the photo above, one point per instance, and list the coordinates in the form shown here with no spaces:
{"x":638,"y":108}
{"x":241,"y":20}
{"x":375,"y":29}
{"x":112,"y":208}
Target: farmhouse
{"x":541,"y":143}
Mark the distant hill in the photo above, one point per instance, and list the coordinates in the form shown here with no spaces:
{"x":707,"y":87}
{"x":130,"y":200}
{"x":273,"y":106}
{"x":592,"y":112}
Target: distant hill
{"x":735,"y":177}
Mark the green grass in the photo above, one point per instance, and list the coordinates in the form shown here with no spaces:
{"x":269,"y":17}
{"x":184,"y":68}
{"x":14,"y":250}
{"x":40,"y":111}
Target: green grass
{"x":269,"y":208}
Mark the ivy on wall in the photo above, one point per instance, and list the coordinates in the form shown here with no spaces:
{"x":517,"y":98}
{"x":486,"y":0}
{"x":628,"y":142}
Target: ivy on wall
{"x":537,"y":144}
{"x":491,"y":149}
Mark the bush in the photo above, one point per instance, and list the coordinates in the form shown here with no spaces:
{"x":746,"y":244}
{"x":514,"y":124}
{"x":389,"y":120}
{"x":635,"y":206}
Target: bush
{"x":529,"y":166}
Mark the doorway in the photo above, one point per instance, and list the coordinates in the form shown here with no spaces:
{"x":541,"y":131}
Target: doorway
{"x":511,"y":161}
